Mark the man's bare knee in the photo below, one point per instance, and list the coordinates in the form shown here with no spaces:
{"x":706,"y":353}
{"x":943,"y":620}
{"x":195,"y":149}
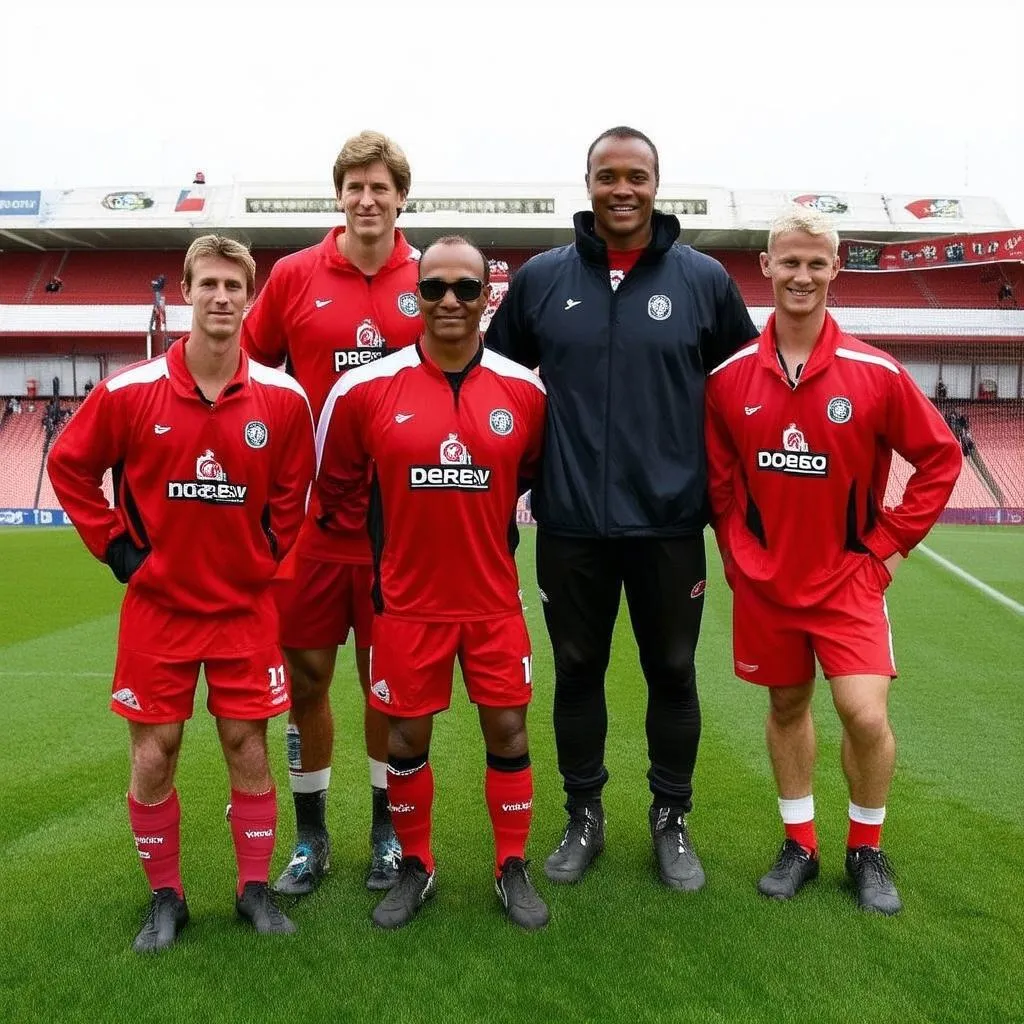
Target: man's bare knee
{"x":311,"y":672}
{"x":789,"y":704}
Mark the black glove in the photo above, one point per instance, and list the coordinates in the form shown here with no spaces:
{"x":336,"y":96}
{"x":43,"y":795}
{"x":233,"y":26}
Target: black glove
{"x":124,"y":558}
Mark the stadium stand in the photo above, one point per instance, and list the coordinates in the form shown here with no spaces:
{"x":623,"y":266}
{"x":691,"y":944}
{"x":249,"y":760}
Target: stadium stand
{"x":123,"y":277}
{"x":998,"y":433}
{"x":21,"y":453}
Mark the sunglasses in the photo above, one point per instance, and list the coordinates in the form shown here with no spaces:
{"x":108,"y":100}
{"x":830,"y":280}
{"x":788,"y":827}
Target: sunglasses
{"x":466,"y":289}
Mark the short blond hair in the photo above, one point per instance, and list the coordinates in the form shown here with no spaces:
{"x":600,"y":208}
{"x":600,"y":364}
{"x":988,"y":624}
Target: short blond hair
{"x":229,"y":249}
{"x":802,"y":218}
{"x":367,"y":148}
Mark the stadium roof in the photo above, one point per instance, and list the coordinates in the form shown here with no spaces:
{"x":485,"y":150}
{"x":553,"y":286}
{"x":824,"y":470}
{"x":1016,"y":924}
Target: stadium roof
{"x":291,"y":215}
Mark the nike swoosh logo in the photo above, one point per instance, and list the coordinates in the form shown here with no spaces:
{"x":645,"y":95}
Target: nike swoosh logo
{"x":320,"y":303}
{"x":751,"y":409}
{"x":743,"y":666}
{"x":159,"y":428}
{"x":570,"y":303}
{"x":401,"y":417}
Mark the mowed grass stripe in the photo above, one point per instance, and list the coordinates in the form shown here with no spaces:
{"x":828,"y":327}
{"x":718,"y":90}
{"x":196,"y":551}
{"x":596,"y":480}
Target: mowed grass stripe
{"x":619,"y":946}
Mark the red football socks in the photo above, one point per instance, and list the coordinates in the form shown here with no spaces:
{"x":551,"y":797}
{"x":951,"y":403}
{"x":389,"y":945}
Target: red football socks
{"x":863,"y":834}
{"x":157,"y":831}
{"x":253,"y":826}
{"x":510,"y":804}
{"x":803,"y":833}
{"x":411,"y":802}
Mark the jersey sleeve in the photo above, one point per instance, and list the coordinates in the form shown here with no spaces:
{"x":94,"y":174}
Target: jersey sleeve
{"x":733,"y":326}
{"x":529,"y":467}
{"x":508,"y":333}
{"x":293,"y":474}
{"x":94,"y":440}
{"x":263,"y":334}
{"x":723,"y":460}
{"x":342,"y":459}
{"x":916,"y":431}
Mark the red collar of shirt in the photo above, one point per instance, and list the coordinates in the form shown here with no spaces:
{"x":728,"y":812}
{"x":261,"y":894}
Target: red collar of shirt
{"x":822,"y":354}
{"x":401,"y":253}
{"x":624,"y":259}
{"x":184,"y":383}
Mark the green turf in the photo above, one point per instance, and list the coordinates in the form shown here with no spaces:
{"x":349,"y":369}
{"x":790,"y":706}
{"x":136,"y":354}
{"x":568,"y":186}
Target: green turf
{"x":619,"y":948}
{"x":999,"y":563}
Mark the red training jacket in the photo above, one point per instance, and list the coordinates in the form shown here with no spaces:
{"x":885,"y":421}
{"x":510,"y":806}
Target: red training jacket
{"x":449,"y":460}
{"x":217,"y":491}
{"x":323,"y":316}
{"x":797,"y":475}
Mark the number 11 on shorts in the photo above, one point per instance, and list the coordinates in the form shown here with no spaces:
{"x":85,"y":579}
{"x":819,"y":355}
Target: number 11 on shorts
{"x":528,"y":669}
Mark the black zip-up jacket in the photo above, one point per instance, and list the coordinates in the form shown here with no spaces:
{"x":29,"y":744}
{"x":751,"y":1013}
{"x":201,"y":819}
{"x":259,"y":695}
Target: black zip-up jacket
{"x":624,"y":371}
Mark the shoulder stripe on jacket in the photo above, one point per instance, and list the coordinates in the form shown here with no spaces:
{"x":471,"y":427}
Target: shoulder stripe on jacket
{"x":403,"y":359}
{"x":145,"y":373}
{"x":866,"y":357}
{"x":741,"y":354}
{"x":505,"y":367}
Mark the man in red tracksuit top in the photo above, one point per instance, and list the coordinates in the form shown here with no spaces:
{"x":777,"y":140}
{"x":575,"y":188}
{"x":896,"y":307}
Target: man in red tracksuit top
{"x":212,"y":457}
{"x":801,"y":426}
{"x":453,"y":432}
{"x":337,"y":305}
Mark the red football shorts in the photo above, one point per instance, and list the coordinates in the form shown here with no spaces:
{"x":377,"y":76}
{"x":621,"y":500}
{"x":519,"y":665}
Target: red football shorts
{"x":322,"y":602}
{"x":158,"y":688}
{"x":850,"y":635}
{"x":412,"y":663}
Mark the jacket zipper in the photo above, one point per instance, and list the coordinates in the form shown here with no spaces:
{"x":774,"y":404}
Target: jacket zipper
{"x":608,"y":399}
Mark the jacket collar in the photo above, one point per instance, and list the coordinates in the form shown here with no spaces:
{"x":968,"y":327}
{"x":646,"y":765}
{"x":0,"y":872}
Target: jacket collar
{"x":592,"y":249}
{"x":822,"y":354}
{"x":184,"y":383}
{"x":401,"y":253}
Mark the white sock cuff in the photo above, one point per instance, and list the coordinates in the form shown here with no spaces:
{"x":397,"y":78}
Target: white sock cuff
{"x":796,"y":812}
{"x":309,"y":782}
{"x":867,"y":815}
{"x":378,"y":774}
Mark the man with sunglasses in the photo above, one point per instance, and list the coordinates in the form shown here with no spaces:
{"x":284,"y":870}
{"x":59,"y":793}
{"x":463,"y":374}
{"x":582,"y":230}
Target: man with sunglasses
{"x":341,"y":303}
{"x":624,"y":324}
{"x":450,"y":431}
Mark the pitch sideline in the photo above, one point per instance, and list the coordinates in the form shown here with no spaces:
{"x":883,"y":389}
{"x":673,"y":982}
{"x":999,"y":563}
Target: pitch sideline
{"x":996,"y":595}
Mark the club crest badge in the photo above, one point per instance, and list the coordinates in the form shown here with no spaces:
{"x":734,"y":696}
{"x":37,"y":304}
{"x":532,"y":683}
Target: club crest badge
{"x":501,"y":422}
{"x":256,"y":434}
{"x":408,"y":305}
{"x":840,"y":409}
{"x":659,"y":307}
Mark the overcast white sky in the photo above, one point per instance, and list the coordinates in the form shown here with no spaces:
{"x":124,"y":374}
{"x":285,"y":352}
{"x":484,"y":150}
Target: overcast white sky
{"x":901,"y":96}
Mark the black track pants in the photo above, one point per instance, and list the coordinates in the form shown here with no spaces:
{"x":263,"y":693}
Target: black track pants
{"x":581,"y":582}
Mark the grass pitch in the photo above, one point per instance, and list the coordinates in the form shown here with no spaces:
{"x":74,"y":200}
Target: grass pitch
{"x":619,"y":947}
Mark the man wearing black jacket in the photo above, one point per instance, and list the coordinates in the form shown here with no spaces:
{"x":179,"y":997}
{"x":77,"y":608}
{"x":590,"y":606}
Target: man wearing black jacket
{"x":624,"y":324}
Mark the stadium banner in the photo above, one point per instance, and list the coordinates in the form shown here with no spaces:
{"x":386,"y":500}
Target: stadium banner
{"x":849,"y":210}
{"x":951,"y":251}
{"x":428,"y":205}
{"x":932,"y":212}
{"x":34,"y":517}
{"x":129,"y":207}
{"x":19,"y":204}
{"x":982,"y":516}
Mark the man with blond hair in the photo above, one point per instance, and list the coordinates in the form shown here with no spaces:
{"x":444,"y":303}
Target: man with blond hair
{"x":801,"y":426}
{"x":212,"y":456}
{"x":342,"y":303}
